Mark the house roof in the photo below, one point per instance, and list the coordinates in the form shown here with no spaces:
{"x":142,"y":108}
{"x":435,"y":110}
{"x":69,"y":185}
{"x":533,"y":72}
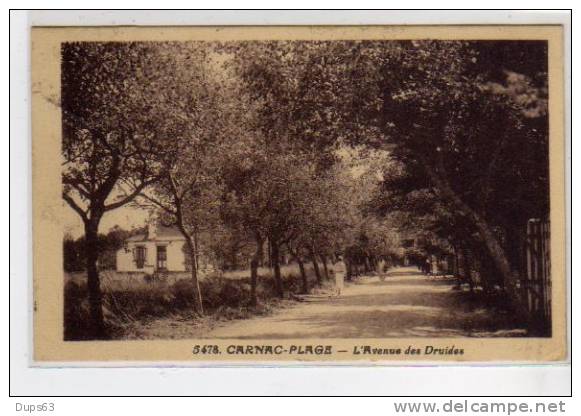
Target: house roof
{"x":137,"y":237}
{"x":162,"y":233}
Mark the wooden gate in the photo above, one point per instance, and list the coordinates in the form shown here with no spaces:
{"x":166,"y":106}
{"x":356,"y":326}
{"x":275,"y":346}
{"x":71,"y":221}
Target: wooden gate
{"x":536,"y":282}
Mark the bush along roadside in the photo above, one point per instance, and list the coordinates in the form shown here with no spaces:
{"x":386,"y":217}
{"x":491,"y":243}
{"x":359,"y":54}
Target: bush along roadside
{"x":140,"y":301}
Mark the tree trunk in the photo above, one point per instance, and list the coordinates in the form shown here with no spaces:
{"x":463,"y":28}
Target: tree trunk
{"x":316,"y":267}
{"x":325,"y":267}
{"x":304,"y":279}
{"x":198,"y":305}
{"x":485,"y":232}
{"x":367,"y":265}
{"x":254,"y":271}
{"x":196,"y":251}
{"x":299,"y":260}
{"x":456,"y":263}
{"x":97,"y":324}
{"x":276,"y":265}
{"x":269,"y":253}
{"x":467,"y":269}
{"x":349,"y":270}
{"x":233,"y":260}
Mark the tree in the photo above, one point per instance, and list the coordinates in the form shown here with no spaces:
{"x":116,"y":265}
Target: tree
{"x":267,"y":196}
{"x":293,"y":86}
{"x":449,"y":122}
{"x":455,"y":127}
{"x":187,"y":194}
{"x":74,"y":250}
{"x":109,"y":137}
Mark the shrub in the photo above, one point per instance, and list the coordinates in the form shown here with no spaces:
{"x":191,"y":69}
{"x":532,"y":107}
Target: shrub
{"x":217,"y":292}
{"x":291,"y":283}
{"x":127,"y":300}
{"x":76,"y":312}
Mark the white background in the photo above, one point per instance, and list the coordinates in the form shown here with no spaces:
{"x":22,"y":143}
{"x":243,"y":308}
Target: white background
{"x":410,"y":381}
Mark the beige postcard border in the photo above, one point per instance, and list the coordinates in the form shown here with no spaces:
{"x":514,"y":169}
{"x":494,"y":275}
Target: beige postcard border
{"x":47,"y":207}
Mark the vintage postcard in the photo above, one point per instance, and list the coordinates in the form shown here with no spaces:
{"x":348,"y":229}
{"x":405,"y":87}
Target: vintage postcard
{"x":332,"y":194}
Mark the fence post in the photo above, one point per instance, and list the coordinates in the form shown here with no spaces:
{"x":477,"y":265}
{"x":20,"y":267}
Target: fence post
{"x":537,"y":281}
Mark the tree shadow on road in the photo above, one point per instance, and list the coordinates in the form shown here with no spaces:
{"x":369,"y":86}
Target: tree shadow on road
{"x":414,"y":321}
{"x":403,"y":273}
{"x":419,"y":308}
{"x":405,"y":305}
{"x":418,"y":282}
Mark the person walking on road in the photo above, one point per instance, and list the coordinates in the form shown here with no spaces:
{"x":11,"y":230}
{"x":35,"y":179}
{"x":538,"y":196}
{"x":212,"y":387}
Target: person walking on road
{"x":340,"y":269}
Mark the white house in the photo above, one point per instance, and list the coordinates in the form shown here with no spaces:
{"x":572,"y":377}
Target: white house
{"x":159,"y":248}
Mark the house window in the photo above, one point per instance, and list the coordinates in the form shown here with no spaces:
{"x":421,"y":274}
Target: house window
{"x":161,"y":257}
{"x":140,"y":256}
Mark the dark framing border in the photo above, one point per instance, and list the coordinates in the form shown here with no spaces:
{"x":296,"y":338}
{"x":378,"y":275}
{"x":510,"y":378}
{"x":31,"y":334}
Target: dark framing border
{"x":568,"y":263}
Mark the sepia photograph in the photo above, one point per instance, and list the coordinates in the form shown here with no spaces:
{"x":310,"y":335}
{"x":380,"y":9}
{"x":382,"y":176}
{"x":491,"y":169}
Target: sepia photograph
{"x":327,"y":195}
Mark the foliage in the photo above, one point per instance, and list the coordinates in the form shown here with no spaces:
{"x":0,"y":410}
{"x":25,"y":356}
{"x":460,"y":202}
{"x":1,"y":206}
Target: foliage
{"x":108,"y":244}
{"x":316,"y":147}
{"x":112,"y":105}
{"x":141,"y":299}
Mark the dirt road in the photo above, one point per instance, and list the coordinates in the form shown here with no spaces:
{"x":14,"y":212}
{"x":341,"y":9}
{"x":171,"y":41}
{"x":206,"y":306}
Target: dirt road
{"x":406,"y":304}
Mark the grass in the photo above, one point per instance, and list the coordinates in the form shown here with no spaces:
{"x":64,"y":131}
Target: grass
{"x":112,"y":278}
{"x":132,"y":300}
